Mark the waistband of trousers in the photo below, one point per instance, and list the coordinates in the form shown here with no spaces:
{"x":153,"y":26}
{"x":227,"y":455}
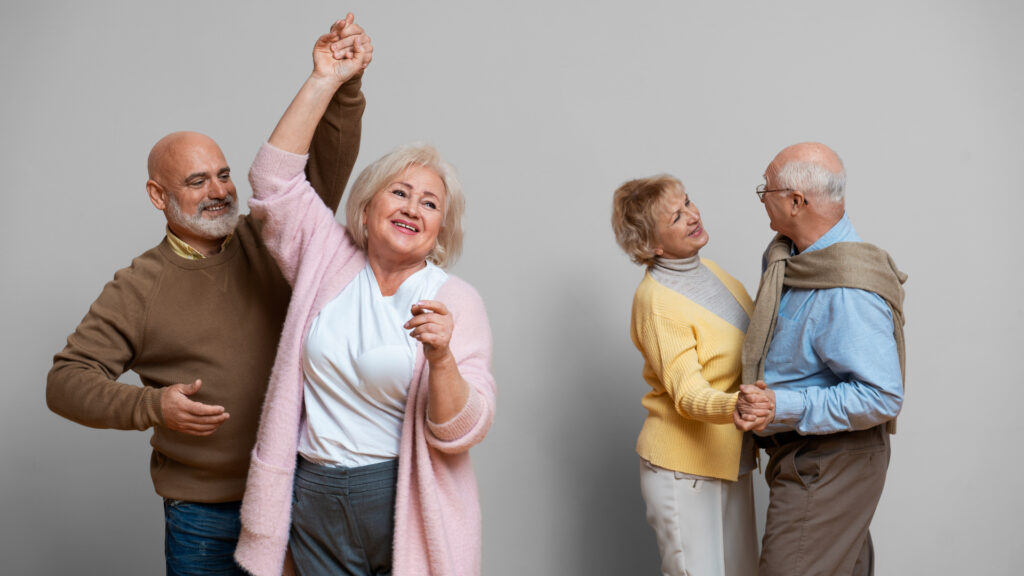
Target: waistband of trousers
{"x":783,"y":438}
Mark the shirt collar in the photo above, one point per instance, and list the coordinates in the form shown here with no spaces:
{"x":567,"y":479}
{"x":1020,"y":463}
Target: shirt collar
{"x":842,"y":232}
{"x":183,"y":249}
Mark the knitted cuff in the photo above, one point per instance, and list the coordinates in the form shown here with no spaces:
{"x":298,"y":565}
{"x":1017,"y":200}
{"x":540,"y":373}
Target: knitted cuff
{"x":462,"y":423}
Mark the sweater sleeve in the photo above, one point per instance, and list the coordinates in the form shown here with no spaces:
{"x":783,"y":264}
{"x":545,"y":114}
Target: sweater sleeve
{"x":670,"y":346}
{"x":471,"y":346}
{"x":335,"y":145}
{"x":294,"y":219}
{"x":82,"y":385}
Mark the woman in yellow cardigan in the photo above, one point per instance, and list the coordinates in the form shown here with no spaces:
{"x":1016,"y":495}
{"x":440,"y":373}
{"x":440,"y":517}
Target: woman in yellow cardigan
{"x":689,"y":318}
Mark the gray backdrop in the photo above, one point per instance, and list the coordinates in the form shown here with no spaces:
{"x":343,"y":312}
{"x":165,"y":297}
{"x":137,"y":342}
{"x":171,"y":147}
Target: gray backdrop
{"x":545,"y":108}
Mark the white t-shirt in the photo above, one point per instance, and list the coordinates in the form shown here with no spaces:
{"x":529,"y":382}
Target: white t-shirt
{"x":358,"y":363}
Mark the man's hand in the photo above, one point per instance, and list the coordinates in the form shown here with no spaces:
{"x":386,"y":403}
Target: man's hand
{"x":755,"y":407}
{"x":348,"y":31}
{"x":184,"y":415}
{"x":339,"y":57}
{"x":755,"y":401}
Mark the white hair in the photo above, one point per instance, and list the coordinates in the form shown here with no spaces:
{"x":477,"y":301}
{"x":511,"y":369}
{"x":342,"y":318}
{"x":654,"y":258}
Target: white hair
{"x":814,"y":179}
{"x":375,"y":176}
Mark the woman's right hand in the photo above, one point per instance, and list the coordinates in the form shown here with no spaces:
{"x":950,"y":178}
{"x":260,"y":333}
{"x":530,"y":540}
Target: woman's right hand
{"x":755,"y":407}
{"x":343,"y":53}
{"x":338,"y":56}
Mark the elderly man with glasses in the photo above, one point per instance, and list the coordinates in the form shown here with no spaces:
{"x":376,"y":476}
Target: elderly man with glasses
{"x":825,"y":345}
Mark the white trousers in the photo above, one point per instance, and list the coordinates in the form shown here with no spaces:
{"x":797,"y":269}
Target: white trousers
{"x":704,"y":527}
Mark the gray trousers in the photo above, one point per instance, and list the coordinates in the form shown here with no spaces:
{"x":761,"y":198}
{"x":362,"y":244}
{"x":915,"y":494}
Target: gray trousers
{"x":343,"y":519}
{"x":824,"y":491}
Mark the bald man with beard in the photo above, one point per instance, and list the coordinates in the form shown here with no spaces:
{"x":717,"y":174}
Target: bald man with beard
{"x":198,"y":318}
{"x":825,"y":351}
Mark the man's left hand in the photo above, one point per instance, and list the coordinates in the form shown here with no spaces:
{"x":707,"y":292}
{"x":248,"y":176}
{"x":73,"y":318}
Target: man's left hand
{"x":346,"y":31}
{"x":755,"y":407}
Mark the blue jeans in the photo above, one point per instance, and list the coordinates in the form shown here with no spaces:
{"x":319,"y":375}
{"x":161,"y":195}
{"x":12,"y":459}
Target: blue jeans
{"x":200,"y":539}
{"x":343,"y":519}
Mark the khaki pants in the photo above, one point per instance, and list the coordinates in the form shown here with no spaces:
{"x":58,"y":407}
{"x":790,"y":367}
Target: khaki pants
{"x":824,"y":490}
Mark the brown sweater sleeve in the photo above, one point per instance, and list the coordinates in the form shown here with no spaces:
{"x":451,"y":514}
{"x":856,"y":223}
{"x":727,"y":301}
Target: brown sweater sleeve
{"x":82,"y":385}
{"x":335,"y":146}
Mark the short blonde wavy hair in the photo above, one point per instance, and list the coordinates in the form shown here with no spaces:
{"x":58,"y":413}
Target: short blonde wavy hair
{"x":635,"y":207}
{"x":378,"y":174}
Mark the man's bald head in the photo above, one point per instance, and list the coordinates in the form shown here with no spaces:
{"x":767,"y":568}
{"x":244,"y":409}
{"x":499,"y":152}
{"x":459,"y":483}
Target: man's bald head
{"x":171,"y":151}
{"x":812,"y":168}
{"x":190,"y":181}
{"x":805,"y":187}
{"x":813,"y":152}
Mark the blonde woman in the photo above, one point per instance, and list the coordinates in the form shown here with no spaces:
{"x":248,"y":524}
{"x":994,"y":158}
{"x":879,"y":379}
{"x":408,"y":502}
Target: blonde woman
{"x":689,"y":318}
{"x":382,"y":381}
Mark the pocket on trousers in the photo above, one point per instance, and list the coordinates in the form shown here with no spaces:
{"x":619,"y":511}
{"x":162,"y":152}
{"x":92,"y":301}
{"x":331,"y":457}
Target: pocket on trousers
{"x":807,"y":465}
{"x":869,"y":441}
{"x":695,"y":485}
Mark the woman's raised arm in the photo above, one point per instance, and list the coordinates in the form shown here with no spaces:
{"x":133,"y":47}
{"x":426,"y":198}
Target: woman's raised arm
{"x":295,"y":129}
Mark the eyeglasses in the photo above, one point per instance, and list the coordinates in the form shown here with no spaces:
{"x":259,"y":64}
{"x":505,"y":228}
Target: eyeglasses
{"x":761,"y":191}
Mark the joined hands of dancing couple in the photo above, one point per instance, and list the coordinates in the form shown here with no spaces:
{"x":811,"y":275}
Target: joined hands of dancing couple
{"x":755,"y":407}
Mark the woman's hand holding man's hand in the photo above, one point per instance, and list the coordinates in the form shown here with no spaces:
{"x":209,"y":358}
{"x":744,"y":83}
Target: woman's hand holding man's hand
{"x":755,"y":407}
{"x":343,"y":53}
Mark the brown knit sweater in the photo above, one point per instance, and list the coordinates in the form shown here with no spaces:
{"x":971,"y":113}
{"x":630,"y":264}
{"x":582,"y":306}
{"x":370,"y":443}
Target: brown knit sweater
{"x":172,"y":320}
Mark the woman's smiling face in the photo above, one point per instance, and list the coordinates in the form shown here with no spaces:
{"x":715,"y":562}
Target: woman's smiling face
{"x":405,"y":216}
{"x":679,"y":231}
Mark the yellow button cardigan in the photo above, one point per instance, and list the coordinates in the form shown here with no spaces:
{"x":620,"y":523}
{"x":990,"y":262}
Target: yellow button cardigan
{"x":692,"y":363}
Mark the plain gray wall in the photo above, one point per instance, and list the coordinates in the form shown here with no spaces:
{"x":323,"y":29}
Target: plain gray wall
{"x":545,"y":108}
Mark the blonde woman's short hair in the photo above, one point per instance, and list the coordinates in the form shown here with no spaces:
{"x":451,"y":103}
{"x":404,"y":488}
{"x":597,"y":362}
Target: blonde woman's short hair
{"x":635,"y":207}
{"x":378,"y":174}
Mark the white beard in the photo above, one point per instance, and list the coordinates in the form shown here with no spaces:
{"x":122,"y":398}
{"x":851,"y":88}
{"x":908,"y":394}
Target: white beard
{"x":206,"y":228}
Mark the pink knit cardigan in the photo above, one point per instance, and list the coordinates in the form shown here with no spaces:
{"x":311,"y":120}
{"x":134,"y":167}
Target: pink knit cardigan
{"x":437,"y":513}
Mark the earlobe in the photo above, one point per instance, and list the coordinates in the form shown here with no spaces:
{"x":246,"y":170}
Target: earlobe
{"x":798,"y":201}
{"x":156,"y":195}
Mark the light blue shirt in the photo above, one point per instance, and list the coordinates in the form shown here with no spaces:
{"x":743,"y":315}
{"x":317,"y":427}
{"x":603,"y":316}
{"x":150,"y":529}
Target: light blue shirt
{"x":833,"y":362}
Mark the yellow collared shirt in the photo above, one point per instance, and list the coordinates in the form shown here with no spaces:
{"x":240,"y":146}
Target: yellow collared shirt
{"x":182,"y":248}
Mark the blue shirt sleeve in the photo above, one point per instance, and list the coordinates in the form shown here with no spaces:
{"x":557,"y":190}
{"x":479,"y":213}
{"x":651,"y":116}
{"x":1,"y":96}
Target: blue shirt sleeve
{"x":851,"y":378}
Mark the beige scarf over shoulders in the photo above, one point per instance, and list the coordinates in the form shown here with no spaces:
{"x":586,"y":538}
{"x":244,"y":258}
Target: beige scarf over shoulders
{"x":841,"y":265}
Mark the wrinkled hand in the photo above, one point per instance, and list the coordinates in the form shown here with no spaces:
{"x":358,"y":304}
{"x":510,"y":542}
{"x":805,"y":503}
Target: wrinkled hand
{"x":755,"y":407}
{"x":189,"y":417}
{"x":354,"y":56}
{"x":754,"y":401}
{"x":348,"y":32}
{"x":432,"y":325}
